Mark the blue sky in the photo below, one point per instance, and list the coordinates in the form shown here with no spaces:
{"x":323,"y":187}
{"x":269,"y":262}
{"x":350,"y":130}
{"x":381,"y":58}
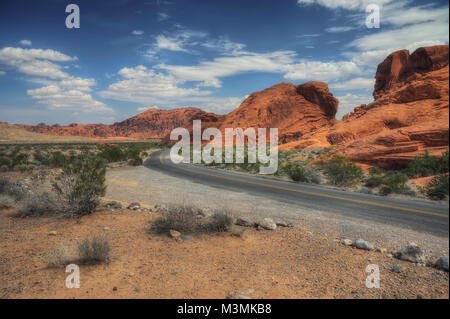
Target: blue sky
{"x":128,"y":55}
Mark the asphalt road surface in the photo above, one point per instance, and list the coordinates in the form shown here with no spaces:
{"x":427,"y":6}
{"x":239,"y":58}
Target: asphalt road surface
{"x":418,"y":215}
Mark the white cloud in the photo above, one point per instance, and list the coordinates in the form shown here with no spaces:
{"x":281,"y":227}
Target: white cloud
{"x":146,"y":108}
{"x":25,"y":42}
{"x":321,"y":71}
{"x":2,"y":73}
{"x":54,"y":97}
{"x":349,"y":101}
{"x":137,"y":32}
{"x":342,"y":4}
{"x":354,"y":84}
{"x":208,"y":73}
{"x":171,"y":44}
{"x":163,"y":16}
{"x":62,"y":90}
{"x":339,"y":29}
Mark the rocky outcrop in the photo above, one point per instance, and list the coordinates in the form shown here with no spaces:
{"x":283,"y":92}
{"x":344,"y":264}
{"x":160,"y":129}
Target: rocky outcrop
{"x":294,"y":110}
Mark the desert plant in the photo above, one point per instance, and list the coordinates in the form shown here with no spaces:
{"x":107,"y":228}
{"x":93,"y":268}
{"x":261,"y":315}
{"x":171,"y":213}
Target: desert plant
{"x":342,"y":171}
{"x":6,"y":201}
{"x":301,"y":173}
{"x":179,"y":218}
{"x":438,"y":188}
{"x":37,"y":205}
{"x":11,"y":189}
{"x":95,"y":251}
{"x":81,"y":184}
{"x":112,"y":153}
{"x":427,"y":165}
{"x":221,"y":222}
{"x":59,"y":256}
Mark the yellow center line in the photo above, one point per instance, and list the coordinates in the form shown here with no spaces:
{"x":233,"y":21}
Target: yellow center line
{"x":304,"y":192}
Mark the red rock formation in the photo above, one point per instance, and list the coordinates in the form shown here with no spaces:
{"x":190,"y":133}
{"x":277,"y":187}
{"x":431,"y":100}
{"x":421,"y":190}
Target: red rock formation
{"x":151,"y":124}
{"x":294,"y":110}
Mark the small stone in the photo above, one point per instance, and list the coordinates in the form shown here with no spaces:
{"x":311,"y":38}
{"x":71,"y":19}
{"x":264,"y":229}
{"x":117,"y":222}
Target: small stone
{"x":362,"y":244}
{"x":442,"y":263}
{"x":53,"y":233}
{"x":282,"y":223}
{"x":381,"y":250}
{"x":174,"y":234}
{"x":106,"y":228}
{"x":347,"y":242}
{"x":114,"y":288}
{"x":267,"y":223}
{"x":131,"y":274}
{"x":186,"y":237}
{"x":134,"y":206}
{"x":397,"y":269}
{"x":243,"y":221}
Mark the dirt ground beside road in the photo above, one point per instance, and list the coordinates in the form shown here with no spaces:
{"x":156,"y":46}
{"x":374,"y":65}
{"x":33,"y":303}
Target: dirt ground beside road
{"x":285,"y":263}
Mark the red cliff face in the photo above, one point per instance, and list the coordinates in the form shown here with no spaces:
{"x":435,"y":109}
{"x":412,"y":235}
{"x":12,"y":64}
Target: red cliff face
{"x":410,"y":112}
{"x":294,"y":110}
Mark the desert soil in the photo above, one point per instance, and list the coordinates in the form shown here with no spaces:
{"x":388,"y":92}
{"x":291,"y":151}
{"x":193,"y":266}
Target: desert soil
{"x":285,"y":263}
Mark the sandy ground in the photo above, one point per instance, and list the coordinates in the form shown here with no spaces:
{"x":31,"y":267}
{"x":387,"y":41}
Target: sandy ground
{"x":286,"y":263}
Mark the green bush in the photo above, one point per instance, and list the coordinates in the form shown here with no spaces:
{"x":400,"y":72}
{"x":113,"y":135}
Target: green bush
{"x":112,"y":153}
{"x":95,"y":251}
{"x":37,"y":205}
{"x":427,"y":165}
{"x":388,"y":181}
{"x":438,"y":188}
{"x":81,"y":184}
{"x":11,"y":189}
{"x":342,"y":171}
{"x":58,"y":159}
{"x":301,"y":173}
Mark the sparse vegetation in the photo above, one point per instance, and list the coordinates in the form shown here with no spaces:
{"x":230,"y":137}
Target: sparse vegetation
{"x":59,"y":256}
{"x":10,"y":189}
{"x":427,"y":165}
{"x":388,"y":181}
{"x":37,"y":205}
{"x":6,"y":201}
{"x":94,"y":251}
{"x":438,"y":188}
{"x":341,"y":171}
{"x":185,"y":219}
{"x":299,"y":172}
{"x":81,"y":184}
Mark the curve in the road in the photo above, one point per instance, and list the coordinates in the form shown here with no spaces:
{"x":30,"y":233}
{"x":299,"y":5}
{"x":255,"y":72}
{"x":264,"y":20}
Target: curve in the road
{"x":419,"y":215}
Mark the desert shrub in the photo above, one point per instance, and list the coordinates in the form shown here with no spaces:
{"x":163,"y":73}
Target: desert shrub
{"x":57,"y":159}
{"x":24,"y":168}
{"x":112,"y":153}
{"x":180,"y":218}
{"x":20,"y":159}
{"x":133,"y":154}
{"x":37,"y":205}
{"x":81,"y":184}
{"x":221,"y":222}
{"x":11,"y":189}
{"x":342,"y":171}
{"x":6,"y":201}
{"x":389,"y":182}
{"x":301,"y":173}
{"x":4,"y":161}
{"x":95,"y":251}
{"x":4,"y":168}
{"x":438,"y":188}
{"x":427,"y":165}
{"x":59,"y":256}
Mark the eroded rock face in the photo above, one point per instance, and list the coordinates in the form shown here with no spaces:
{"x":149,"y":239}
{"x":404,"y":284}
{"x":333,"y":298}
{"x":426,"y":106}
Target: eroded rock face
{"x":409,"y":115}
{"x":294,"y":110}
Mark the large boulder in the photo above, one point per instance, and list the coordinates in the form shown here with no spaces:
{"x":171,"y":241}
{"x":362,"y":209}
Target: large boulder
{"x":411,"y":252}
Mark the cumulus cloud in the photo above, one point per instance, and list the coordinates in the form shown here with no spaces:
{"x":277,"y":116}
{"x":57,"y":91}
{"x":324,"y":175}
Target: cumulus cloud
{"x":354,"y":84}
{"x":61,"y":90}
{"x":321,"y":71}
{"x":137,"y":32}
{"x":25,"y":42}
{"x":349,"y":101}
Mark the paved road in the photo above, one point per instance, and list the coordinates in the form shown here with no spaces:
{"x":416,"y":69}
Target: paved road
{"x":417,"y":215}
